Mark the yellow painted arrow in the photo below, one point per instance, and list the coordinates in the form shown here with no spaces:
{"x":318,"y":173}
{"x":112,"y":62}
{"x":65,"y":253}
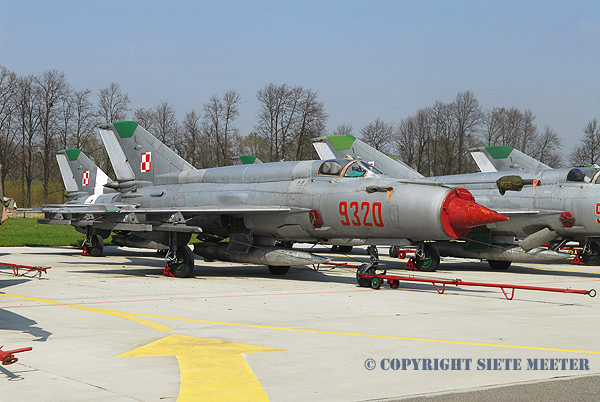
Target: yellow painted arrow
{"x":211,"y":370}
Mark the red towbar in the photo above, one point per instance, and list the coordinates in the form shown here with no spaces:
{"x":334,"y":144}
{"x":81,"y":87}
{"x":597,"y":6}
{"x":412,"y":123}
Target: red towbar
{"x":394,"y":280}
{"x":7,"y":357}
{"x":33,"y":271}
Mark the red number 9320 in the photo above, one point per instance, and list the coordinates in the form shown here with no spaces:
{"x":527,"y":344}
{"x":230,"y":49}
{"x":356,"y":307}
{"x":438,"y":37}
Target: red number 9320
{"x":363,"y":214}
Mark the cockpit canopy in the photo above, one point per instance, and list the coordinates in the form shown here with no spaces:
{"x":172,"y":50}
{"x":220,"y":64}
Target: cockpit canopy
{"x":346,"y":168}
{"x":582,"y":174}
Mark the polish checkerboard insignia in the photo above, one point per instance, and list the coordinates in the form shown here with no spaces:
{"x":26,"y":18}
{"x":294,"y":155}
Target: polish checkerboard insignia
{"x":85,"y":179}
{"x":146,"y":160}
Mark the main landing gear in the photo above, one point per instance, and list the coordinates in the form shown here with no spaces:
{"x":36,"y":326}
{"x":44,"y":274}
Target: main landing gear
{"x":179,"y":259}
{"x":93,"y":245}
{"x":427,"y":257}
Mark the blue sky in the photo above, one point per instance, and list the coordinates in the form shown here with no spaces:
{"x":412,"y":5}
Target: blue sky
{"x":366,"y":59}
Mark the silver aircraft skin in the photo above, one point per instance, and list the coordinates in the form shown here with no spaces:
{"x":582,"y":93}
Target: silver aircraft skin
{"x":563,"y":205}
{"x":162,"y":200}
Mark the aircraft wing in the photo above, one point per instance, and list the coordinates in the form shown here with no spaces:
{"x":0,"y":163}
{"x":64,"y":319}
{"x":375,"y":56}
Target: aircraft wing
{"x":130,"y":218}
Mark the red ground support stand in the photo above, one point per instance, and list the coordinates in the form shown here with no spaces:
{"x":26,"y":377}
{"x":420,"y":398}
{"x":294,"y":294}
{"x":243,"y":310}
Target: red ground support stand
{"x":167,"y":271}
{"x":577,"y":260}
{"x":410,"y":265}
{"x":84,"y":251}
{"x":7,"y":357}
{"x":36,"y":271}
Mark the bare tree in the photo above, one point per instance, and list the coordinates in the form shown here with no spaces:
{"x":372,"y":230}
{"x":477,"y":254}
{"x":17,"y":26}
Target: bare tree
{"x":588,"y":152}
{"x":113,"y":104}
{"x":83,"y":120}
{"x":377,"y":134}
{"x":343,"y":129}
{"x":165,"y":123}
{"x":217,"y":125}
{"x":492,"y":126}
{"x":29,"y":119}
{"x":8,"y":133}
{"x":194,"y":148}
{"x":547,"y":148}
{"x":288,"y":118}
{"x":53,"y":88}
{"x":145,"y":118}
{"x":467,"y":115}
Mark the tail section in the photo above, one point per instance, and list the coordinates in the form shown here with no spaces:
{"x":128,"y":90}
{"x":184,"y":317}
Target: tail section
{"x":501,"y":158}
{"x":347,"y":146}
{"x":80,"y":175}
{"x":137,"y":156}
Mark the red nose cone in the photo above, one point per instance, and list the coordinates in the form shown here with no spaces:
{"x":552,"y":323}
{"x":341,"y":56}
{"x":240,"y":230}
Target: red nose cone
{"x":460,"y":213}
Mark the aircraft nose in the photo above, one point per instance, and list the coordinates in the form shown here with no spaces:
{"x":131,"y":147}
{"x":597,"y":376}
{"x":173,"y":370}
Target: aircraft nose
{"x":460,"y":213}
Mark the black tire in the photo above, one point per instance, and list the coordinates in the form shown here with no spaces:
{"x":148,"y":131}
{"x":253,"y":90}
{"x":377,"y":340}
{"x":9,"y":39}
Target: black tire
{"x":97,"y":247}
{"x":394,"y":251}
{"x":592,"y":257}
{"x":375,"y":282}
{"x":431,"y":262}
{"x":394,"y":283}
{"x":499,"y":265}
{"x":279,"y":269}
{"x":284,"y":244}
{"x":345,"y":249}
{"x":184,"y":266}
{"x":364,"y":282}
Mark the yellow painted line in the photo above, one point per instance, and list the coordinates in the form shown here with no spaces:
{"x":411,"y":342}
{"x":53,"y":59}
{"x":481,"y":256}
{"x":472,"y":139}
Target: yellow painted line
{"x":114,"y":313}
{"x":314,"y":331}
{"x":211,"y":370}
{"x":127,"y":315}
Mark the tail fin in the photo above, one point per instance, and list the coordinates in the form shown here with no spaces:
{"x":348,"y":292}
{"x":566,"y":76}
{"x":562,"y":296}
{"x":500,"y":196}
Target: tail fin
{"x":500,"y":158}
{"x":344,"y":146}
{"x":80,"y":175}
{"x":138,"y":156}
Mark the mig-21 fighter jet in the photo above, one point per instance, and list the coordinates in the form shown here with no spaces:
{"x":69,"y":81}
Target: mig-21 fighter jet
{"x":163,"y":200}
{"x":557,"y":206}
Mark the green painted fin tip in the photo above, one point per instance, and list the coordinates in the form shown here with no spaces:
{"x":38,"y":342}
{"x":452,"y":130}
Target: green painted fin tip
{"x":499,"y":151}
{"x":125,"y":128}
{"x":341,"y":142}
{"x":73,"y":154}
{"x":247,"y":159}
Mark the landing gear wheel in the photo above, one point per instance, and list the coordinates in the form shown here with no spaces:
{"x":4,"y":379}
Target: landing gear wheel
{"x":592,"y":254}
{"x":184,"y":266}
{"x":375,"y":282}
{"x":394,"y":252}
{"x":394,"y":283}
{"x":279,"y":269}
{"x":429,"y":260}
{"x":96,"y":248}
{"x":499,"y":265}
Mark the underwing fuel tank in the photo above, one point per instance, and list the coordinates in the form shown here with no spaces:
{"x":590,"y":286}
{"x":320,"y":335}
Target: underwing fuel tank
{"x":500,"y":253}
{"x":264,"y":255}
